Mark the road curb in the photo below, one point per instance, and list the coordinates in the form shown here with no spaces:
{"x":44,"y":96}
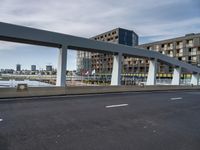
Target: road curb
{"x":12,"y":98}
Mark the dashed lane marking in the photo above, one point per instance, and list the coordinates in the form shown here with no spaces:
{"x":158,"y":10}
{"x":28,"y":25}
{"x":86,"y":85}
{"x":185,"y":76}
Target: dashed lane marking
{"x":119,"y":105}
{"x":176,"y":98}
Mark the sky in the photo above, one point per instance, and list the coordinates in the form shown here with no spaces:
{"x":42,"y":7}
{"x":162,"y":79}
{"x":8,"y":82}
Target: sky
{"x":152,"y":20}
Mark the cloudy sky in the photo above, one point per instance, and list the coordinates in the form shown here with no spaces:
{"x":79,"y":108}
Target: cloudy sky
{"x":152,"y":20}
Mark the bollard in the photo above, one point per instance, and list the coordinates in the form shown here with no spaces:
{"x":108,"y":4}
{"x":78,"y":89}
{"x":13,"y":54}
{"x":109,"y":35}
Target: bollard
{"x":22,"y":87}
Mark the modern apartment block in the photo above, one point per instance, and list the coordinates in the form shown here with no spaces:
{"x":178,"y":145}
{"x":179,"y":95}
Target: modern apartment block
{"x":186,"y":48}
{"x":102,"y":63}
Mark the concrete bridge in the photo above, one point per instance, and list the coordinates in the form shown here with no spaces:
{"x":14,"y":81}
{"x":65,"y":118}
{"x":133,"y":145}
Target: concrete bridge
{"x":20,"y":34}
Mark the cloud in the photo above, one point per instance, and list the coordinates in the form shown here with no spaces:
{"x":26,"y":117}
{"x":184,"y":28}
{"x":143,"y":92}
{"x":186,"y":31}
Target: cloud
{"x":151,"y":19}
{"x":9,"y":46}
{"x":93,"y":17}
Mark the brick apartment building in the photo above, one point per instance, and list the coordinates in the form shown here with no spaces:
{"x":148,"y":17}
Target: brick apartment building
{"x":102,"y":63}
{"x":186,"y":48}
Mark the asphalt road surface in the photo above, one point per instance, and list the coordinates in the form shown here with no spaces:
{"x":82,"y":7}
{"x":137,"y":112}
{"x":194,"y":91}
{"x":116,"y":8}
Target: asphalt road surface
{"x":121,"y":121}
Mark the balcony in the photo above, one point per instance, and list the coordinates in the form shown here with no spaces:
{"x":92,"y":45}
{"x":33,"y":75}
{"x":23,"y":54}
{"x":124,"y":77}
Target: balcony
{"x":193,"y":53}
{"x":170,"y":55}
{"x":179,"y":46}
{"x":189,"y":45}
{"x":179,"y":54}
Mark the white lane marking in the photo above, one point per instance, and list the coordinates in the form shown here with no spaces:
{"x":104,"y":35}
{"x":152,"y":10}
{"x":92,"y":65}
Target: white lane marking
{"x":1,"y":119}
{"x":119,"y":105}
{"x":176,"y":98}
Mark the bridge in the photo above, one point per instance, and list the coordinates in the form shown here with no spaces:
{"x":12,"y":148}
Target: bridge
{"x":61,"y":118}
{"x":27,"y":35}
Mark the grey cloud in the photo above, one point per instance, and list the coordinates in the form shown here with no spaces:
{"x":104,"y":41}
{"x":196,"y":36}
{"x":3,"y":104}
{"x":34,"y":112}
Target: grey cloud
{"x":87,"y":18}
{"x":151,"y":19}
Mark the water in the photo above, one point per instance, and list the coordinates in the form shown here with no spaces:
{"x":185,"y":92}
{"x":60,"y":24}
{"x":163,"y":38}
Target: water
{"x":13,"y":83}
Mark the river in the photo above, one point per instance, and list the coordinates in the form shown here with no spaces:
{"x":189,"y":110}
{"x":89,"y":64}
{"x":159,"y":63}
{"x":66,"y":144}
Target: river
{"x":13,"y":83}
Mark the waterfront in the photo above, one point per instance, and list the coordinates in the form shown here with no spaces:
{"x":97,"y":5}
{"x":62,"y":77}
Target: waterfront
{"x":30,"y":83}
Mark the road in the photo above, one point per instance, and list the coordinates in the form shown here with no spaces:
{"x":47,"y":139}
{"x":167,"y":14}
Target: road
{"x":121,"y":121}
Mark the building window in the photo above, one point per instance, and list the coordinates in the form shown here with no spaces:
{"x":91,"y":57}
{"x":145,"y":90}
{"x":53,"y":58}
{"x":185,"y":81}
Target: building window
{"x":194,"y":58}
{"x":157,"y":47}
{"x":189,"y":42}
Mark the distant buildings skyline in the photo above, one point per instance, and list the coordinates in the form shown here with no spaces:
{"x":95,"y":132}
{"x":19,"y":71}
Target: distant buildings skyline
{"x":18,"y":67}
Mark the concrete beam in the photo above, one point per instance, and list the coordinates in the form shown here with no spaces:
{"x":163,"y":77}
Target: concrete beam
{"x":176,"y":76}
{"x":117,"y":67}
{"x":61,"y":67}
{"x":195,"y":79}
{"x":151,"y":78}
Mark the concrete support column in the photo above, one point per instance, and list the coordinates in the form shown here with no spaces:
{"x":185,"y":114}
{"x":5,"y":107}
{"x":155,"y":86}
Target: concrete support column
{"x":117,"y":67}
{"x":195,"y":79}
{"x":151,"y":78}
{"x":61,"y":68}
{"x":176,"y":76}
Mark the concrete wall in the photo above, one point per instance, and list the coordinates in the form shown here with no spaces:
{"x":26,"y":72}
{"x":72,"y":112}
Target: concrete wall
{"x":48,"y":91}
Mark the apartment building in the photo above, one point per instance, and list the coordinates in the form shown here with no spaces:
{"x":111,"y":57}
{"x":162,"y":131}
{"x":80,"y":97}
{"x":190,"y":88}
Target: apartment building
{"x":102,"y":63}
{"x":186,"y":48}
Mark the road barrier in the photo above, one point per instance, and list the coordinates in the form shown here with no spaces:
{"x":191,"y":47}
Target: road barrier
{"x":49,"y":91}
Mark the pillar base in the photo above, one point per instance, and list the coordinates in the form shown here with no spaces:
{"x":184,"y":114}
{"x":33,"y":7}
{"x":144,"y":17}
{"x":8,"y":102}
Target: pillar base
{"x":176,"y":76}
{"x":195,"y":79}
